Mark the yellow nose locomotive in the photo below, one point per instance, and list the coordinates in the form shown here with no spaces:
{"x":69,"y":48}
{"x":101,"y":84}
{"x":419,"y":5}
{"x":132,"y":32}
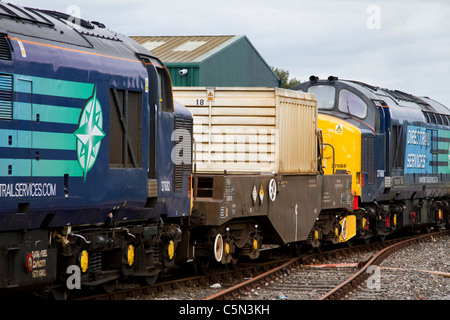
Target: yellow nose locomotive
{"x":396,"y":147}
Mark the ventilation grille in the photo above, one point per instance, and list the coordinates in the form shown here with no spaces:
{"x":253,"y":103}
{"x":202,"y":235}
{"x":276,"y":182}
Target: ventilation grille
{"x":6,"y":89}
{"x":5,"y":50}
{"x":180,"y":169}
{"x":368,"y":162}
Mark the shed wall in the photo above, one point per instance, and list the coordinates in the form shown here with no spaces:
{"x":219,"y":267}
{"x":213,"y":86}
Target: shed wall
{"x":239,"y":65}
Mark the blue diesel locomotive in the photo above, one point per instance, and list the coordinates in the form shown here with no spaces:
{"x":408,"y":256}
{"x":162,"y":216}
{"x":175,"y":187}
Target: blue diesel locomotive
{"x":395,"y":145}
{"x":96,"y":162}
{"x":94,"y":154}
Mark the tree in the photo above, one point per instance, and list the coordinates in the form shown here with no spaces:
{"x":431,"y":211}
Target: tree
{"x":286,"y":83}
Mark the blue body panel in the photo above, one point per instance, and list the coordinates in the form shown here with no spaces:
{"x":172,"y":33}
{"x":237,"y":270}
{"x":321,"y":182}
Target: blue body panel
{"x":55,"y":89}
{"x":176,"y":203}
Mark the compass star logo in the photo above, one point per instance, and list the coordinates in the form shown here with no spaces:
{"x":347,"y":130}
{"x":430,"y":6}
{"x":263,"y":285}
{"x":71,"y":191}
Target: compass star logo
{"x":89,"y":133}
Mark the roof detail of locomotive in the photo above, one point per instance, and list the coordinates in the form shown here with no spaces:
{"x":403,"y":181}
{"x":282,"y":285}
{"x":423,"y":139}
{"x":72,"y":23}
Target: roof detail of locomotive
{"x":399,"y":98}
{"x":402,"y":105}
{"x":45,"y":26}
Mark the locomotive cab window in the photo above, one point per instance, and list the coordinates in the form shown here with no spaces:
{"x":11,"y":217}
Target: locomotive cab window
{"x":165,"y":99}
{"x":325,"y":96}
{"x":379,"y":120}
{"x":398,"y":147}
{"x":352,"y":104}
{"x":125,"y":121}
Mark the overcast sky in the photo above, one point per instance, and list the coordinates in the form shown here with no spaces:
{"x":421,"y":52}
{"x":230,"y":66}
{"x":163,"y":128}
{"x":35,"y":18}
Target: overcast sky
{"x":403,"y":45}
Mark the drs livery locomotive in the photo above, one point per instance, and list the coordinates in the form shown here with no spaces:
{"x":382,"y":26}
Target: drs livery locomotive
{"x":104,"y":176}
{"x":88,"y":127}
{"x":395,"y":145}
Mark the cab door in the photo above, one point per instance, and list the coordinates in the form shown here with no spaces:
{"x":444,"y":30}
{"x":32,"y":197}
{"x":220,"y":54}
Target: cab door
{"x":151,"y":89}
{"x":382,"y":145}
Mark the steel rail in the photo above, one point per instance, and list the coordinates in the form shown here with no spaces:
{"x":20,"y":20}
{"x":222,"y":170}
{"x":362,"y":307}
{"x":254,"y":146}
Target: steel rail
{"x":233,"y":292}
{"x":185,"y":282}
{"x":362,"y":274}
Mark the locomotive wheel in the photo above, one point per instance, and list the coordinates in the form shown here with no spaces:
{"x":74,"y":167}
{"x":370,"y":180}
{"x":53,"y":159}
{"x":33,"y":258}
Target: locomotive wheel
{"x":317,"y":242}
{"x":201,"y":265}
{"x":150,"y":280}
{"x":60,"y":293}
{"x":318,"y":249}
{"x":296,"y":249}
{"x":349,"y":243}
{"x":107,"y":287}
{"x":234,"y":263}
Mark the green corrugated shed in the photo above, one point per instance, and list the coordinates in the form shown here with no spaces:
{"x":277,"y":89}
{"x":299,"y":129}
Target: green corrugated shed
{"x":226,"y":61}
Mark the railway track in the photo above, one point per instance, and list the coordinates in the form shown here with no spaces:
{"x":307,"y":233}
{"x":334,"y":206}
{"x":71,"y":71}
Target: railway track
{"x":302,"y":283}
{"x":199,"y":286}
{"x":329,"y":275}
{"x":318,"y":281}
{"x":418,"y":272}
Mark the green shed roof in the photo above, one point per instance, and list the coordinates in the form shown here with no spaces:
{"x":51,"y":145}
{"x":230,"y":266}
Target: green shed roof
{"x":227,"y":60}
{"x":185,"y":48}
